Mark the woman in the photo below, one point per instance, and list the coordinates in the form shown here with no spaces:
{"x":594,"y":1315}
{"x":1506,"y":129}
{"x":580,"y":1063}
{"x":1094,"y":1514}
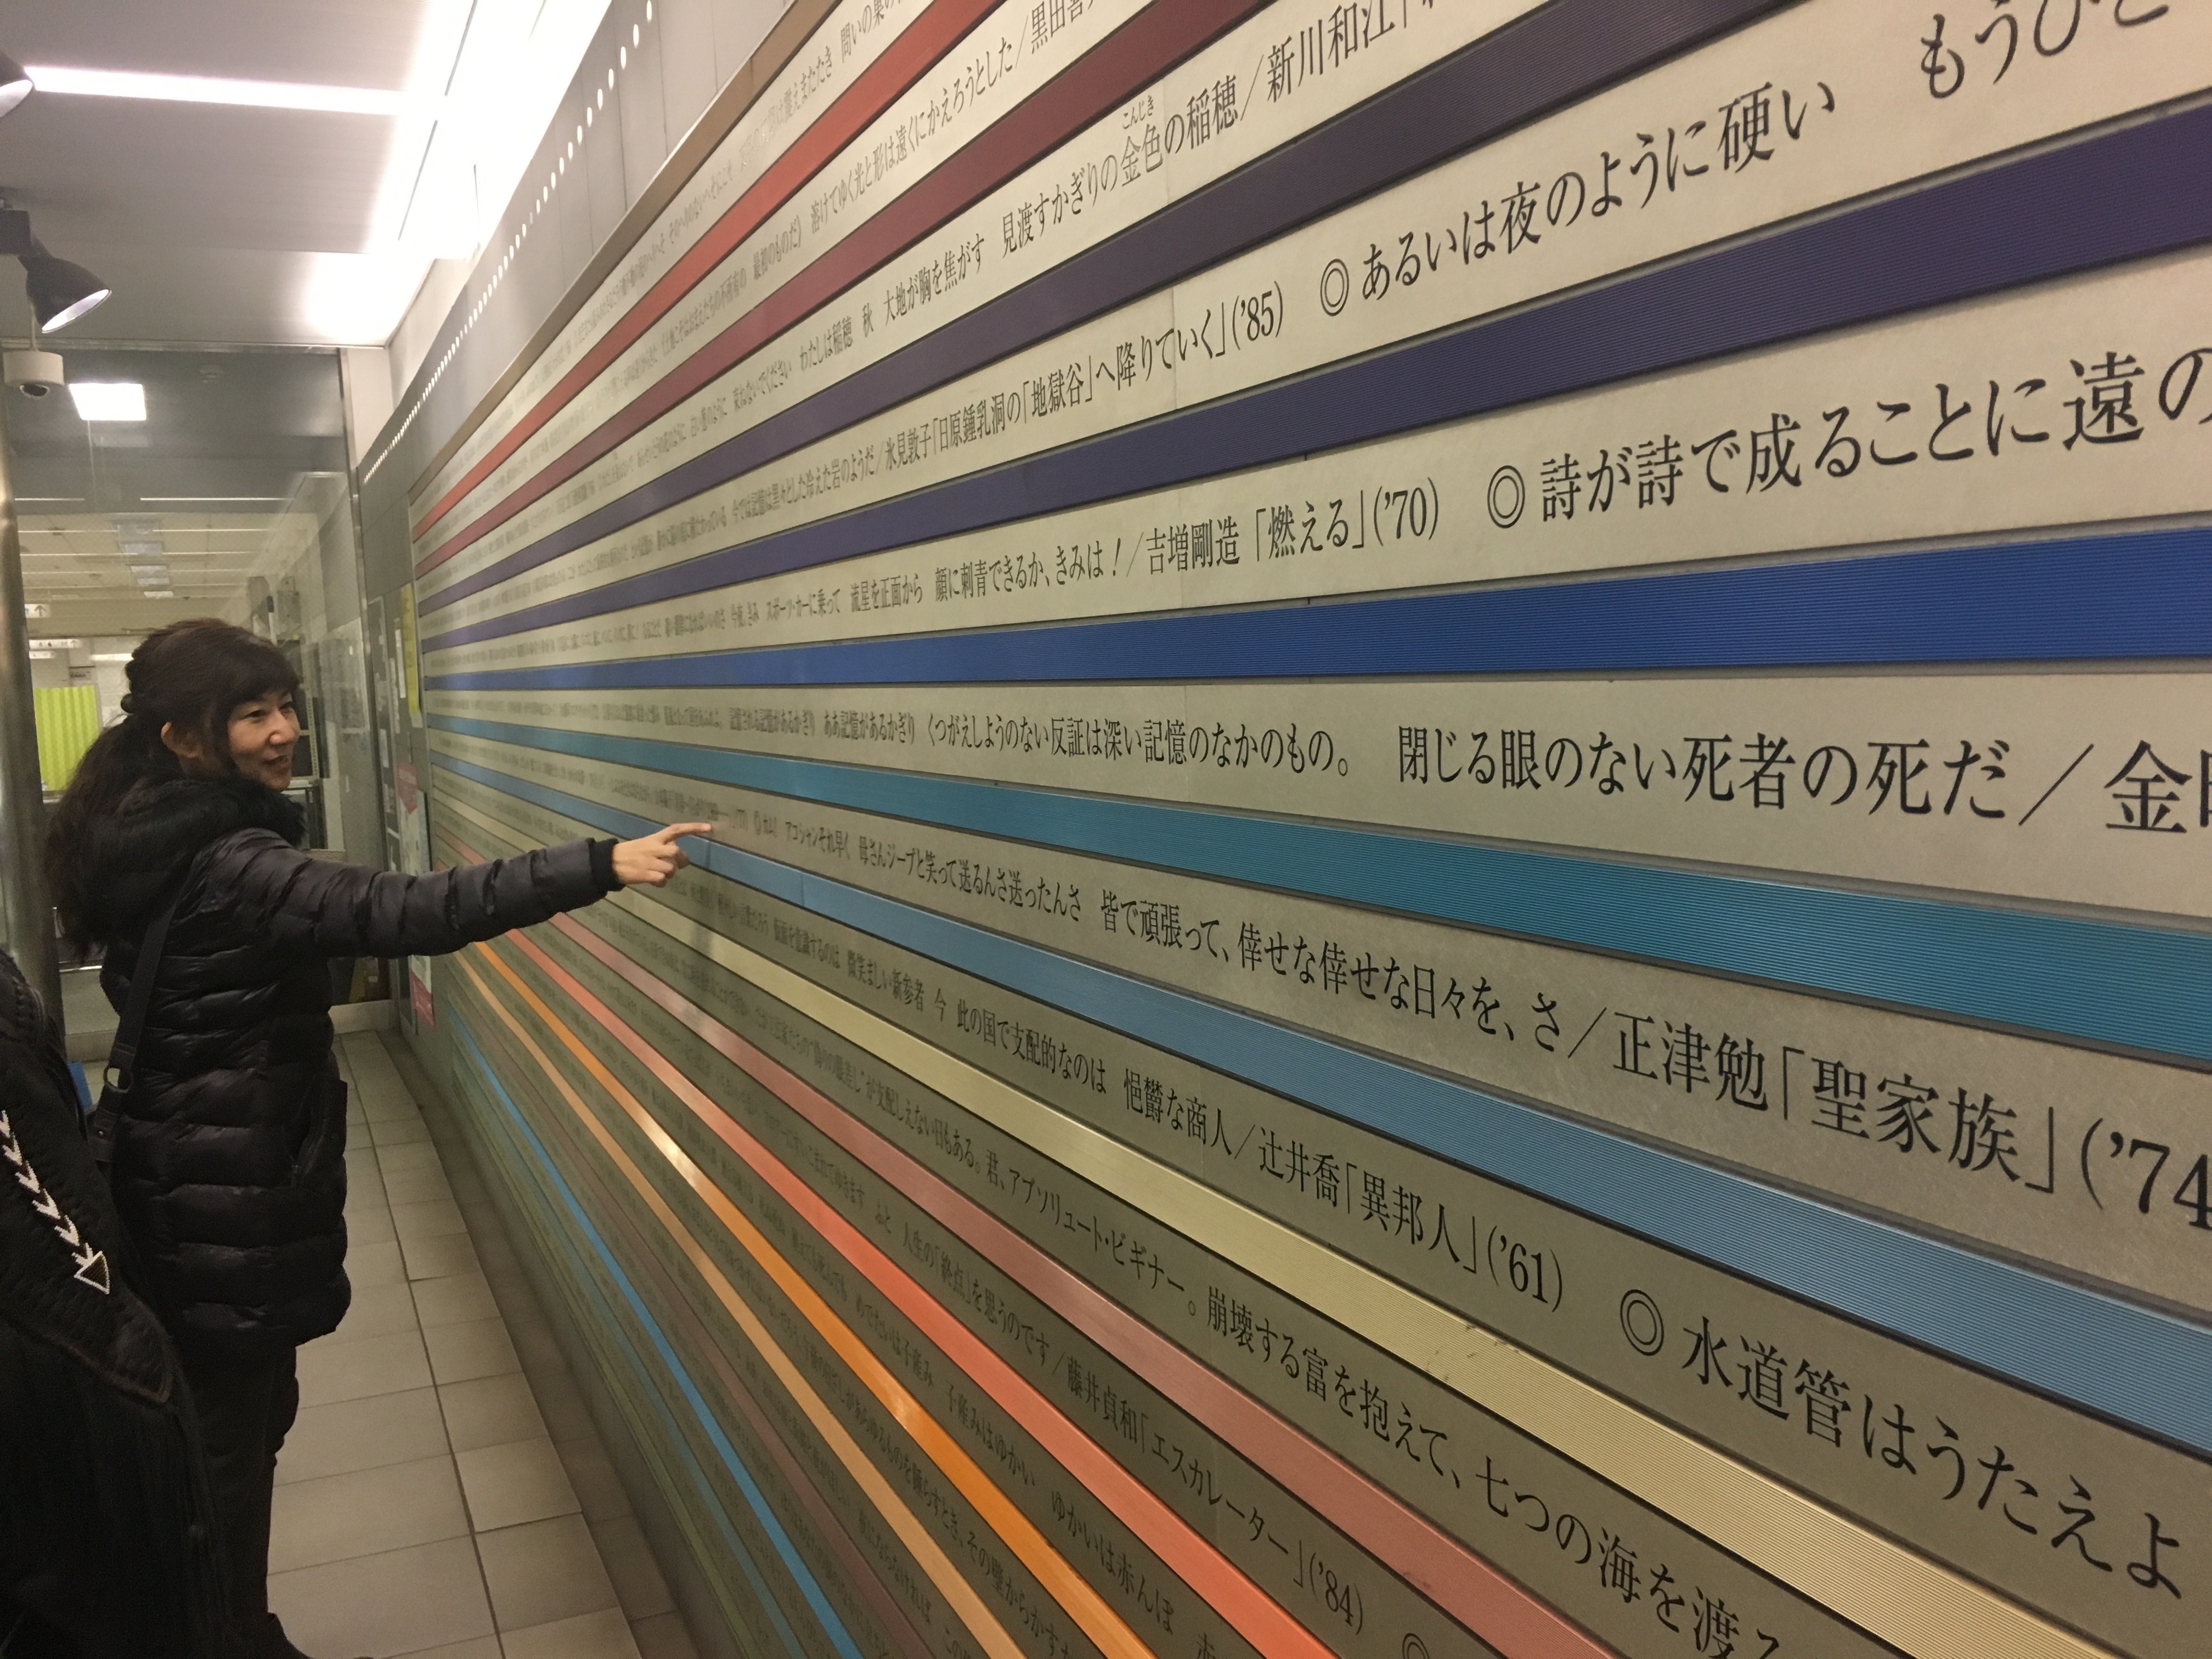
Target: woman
{"x":229,"y":1167}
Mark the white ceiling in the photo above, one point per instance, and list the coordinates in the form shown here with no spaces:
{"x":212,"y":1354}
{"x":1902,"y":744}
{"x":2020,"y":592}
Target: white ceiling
{"x":221,"y":224}
{"x":211,"y":223}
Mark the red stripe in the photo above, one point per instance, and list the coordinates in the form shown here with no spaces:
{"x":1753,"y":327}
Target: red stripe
{"x":675,"y":1310}
{"x":1455,"y":1578}
{"x":1136,"y":53}
{"x":905,"y":61}
{"x":1255,"y":1616}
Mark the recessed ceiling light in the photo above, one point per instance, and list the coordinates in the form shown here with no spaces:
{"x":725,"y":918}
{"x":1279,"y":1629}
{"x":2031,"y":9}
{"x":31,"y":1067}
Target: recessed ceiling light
{"x":213,"y":89}
{"x":108,"y":400}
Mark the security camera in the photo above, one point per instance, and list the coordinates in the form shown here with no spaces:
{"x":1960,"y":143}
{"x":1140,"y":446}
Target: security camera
{"x":34,"y":373}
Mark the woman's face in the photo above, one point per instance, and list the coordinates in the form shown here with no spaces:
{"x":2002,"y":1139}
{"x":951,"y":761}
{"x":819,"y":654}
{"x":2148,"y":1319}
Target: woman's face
{"x":263,"y":731}
{"x":262,"y":734}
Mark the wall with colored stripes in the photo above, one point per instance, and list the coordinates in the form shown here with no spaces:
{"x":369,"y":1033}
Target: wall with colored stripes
{"x":1459,"y":899}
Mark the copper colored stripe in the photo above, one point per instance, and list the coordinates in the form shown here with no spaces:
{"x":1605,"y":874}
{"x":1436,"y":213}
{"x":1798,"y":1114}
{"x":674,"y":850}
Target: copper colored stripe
{"x":1138,"y":52}
{"x":738,"y":95}
{"x":1255,"y":1614}
{"x":903,"y":62}
{"x":1454,"y":1577}
{"x":1060,"y":1580}
{"x":677,"y":1310}
{"x":990,"y":1634}
{"x":1438,"y":1565}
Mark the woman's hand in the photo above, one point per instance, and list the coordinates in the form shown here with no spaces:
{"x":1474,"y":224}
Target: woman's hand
{"x":650,"y":860}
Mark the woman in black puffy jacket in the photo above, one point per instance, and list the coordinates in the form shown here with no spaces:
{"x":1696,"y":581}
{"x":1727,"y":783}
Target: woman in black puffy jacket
{"x":229,"y":1166}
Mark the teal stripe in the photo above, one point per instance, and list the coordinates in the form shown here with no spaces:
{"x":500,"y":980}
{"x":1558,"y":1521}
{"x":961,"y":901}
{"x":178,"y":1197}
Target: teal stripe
{"x":2139,"y":987}
{"x":756,"y":1500}
{"x":2134,"y":1365}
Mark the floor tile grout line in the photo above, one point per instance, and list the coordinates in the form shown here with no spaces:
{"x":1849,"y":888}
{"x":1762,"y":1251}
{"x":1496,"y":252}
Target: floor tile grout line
{"x":476,"y":1534}
{"x":590,"y":1439}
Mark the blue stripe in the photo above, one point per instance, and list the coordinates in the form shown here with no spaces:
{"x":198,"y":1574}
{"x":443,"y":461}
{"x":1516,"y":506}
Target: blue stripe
{"x":2124,"y":194}
{"x":2140,"y":987}
{"x":2092,"y":597}
{"x":756,"y":1500}
{"x":2132,"y":1364}
{"x":602,"y":1315}
{"x":1544,"y":59}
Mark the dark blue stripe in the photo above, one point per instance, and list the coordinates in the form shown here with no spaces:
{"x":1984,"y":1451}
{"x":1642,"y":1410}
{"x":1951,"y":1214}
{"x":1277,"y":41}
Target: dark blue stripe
{"x":2094,"y":598}
{"x":1535,"y":63}
{"x":2124,"y":195}
{"x":2140,"y":987}
{"x":2132,"y":1364}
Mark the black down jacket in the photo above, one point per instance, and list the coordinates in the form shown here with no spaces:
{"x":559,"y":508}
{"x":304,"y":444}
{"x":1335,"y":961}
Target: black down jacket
{"x":107,"y":1529}
{"x":230,"y":1160}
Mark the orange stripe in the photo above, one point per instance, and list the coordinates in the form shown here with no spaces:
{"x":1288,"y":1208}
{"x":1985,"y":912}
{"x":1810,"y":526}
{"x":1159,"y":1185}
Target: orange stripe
{"x":1062,"y":1582}
{"x":958,"y":1593}
{"x":1255,"y":1616}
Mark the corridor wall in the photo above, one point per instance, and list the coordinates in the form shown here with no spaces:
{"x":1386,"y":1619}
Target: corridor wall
{"x":1457,"y":900}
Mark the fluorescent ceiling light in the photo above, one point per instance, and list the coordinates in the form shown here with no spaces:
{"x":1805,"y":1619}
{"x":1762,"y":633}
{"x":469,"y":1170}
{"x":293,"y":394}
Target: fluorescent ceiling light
{"x":15,"y":83}
{"x":212,"y":498}
{"x":111,"y":656}
{"x":109,"y":400}
{"x":156,"y":593}
{"x":210,"y":89}
{"x":489,"y":77}
{"x":40,"y":656}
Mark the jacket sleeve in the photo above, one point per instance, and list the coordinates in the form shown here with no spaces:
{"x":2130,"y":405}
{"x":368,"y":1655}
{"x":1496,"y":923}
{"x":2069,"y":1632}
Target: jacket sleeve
{"x":343,"y":910}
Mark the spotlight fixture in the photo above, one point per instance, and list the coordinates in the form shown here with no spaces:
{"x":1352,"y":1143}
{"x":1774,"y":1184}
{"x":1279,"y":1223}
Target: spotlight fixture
{"x":15,"y":83}
{"x":61,"y":292}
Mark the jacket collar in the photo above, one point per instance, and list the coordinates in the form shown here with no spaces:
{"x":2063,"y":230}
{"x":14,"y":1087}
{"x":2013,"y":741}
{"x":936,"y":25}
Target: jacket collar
{"x":136,"y":853}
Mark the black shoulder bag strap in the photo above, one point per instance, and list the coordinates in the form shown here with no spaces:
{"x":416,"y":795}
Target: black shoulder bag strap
{"x":123,"y":1057}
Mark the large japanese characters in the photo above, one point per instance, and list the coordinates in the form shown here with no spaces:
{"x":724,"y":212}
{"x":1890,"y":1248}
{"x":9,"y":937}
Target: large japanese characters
{"x":1456,"y":891}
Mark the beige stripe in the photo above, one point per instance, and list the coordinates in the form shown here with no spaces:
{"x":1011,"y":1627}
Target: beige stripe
{"x":928,"y":1554}
{"x":1898,"y":1595}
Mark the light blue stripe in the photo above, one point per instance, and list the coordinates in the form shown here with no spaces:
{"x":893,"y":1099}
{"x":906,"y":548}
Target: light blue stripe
{"x":598,"y":1305}
{"x":832,"y":1625}
{"x":2139,"y":987}
{"x":2133,"y":1364}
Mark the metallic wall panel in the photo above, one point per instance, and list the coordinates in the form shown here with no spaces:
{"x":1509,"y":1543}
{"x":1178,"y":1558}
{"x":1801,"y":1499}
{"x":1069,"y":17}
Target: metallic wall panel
{"x":1437,"y":921}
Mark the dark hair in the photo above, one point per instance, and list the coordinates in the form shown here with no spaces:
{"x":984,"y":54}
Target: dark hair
{"x":189,"y":675}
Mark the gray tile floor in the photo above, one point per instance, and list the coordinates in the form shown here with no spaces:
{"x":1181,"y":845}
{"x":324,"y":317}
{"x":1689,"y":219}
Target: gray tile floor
{"x":444,"y":1494}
